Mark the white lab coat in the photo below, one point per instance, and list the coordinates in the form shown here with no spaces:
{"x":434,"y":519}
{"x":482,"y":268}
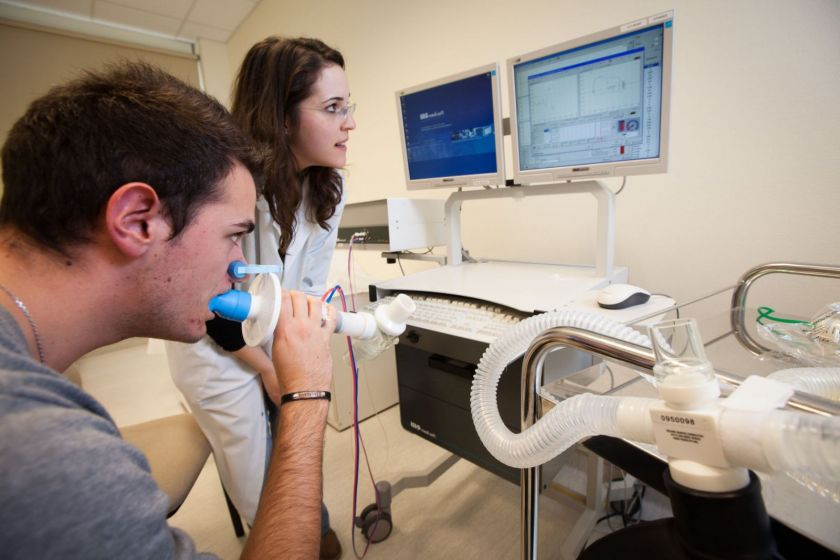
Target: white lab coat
{"x":226,"y":396}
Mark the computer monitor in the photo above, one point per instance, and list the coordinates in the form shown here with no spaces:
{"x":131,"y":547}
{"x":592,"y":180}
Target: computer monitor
{"x":597,"y":106}
{"x":451,"y":131}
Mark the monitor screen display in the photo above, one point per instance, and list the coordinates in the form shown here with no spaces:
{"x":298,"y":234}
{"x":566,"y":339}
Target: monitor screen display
{"x":451,"y":131}
{"x":593,"y":106}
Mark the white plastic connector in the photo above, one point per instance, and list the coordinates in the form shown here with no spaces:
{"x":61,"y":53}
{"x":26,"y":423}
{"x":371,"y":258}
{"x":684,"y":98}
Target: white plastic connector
{"x":634,"y":420}
{"x":708,"y":479}
{"x":356,"y":325}
{"x":759,"y":393}
{"x":743,"y":436}
{"x":686,"y":423}
{"x":689,"y":390}
{"x":744,"y":420}
{"x":390,"y":323}
{"x":684,"y":377}
{"x":391,"y":318}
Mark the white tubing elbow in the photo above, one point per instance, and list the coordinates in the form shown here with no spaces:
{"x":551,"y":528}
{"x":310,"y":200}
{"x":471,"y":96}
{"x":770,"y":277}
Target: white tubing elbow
{"x":634,"y":420}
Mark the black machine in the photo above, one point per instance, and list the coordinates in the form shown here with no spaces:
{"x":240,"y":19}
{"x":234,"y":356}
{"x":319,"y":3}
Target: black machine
{"x":434,"y":375}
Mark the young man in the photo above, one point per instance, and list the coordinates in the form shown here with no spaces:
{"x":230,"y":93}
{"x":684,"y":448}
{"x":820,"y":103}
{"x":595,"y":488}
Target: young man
{"x":126,"y":195}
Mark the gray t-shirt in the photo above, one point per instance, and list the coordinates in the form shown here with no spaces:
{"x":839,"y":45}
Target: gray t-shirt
{"x":70,"y":487}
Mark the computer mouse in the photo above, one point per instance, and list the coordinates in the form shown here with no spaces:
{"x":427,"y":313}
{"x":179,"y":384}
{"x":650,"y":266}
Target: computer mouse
{"x":621,"y":296}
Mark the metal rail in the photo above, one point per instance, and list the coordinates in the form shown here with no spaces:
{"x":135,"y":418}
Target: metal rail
{"x":739,"y":296}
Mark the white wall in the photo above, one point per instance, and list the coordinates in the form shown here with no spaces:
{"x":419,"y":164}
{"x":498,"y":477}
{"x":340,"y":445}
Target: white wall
{"x":754,"y":164}
{"x":215,"y":69}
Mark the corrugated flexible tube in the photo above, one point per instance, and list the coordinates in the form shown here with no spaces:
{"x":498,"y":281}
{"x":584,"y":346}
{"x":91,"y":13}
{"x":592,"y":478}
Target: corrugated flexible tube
{"x":823,"y":382}
{"x":768,"y":441}
{"x":565,"y":424}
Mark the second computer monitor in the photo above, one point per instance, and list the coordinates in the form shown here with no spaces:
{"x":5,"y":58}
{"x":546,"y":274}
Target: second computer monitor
{"x":594,"y":106}
{"x":451,"y":131}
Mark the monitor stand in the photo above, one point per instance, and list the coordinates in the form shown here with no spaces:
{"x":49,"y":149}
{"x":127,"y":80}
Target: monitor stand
{"x":605,"y":226}
{"x":544,"y":287}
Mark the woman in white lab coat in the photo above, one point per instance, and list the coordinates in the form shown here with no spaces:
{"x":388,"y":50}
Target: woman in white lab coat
{"x":292,"y":98}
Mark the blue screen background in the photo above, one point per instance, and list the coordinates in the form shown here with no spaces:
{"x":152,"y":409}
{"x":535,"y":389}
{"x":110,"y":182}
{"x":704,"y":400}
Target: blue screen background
{"x":462,"y":140}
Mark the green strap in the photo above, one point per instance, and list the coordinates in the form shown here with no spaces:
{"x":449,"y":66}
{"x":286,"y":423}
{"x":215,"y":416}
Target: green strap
{"x":767,"y":313}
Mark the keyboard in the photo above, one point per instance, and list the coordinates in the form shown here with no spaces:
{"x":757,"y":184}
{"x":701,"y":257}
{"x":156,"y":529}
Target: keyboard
{"x":459,"y":317}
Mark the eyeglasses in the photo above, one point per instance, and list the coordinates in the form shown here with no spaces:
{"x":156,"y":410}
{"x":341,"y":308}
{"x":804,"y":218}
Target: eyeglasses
{"x":341,"y":113}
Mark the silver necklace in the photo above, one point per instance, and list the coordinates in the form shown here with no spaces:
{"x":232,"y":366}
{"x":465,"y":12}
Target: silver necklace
{"x":29,"y":318}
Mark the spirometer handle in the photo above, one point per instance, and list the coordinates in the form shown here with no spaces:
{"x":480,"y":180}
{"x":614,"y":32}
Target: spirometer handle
{"x":356,"y":325}
{"x":387,"y":322}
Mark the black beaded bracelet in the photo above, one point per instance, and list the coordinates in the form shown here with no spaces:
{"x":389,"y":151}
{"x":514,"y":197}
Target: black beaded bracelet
{"x":305,"y":395}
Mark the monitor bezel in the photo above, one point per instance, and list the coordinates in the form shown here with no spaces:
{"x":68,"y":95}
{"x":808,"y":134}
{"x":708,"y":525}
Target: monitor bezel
{"x":479,"y":180}
{"x":597,"y":170}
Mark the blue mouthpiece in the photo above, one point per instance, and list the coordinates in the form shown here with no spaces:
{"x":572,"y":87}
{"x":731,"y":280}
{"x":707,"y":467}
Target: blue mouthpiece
{"x":239,"y":270}
{"x":233,"y":305}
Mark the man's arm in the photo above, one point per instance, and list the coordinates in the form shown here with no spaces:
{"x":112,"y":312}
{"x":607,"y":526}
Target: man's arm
{"x":288,"y":519}
{"x":288,"y":522}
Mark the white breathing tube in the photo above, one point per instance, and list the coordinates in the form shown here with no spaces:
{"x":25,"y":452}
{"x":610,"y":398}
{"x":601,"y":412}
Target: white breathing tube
{"x":823,"y":382}
{"x":565,"y":424}
{"x":763,"y":439}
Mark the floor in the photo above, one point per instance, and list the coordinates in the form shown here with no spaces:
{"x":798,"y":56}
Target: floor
{"x":467,"y":511}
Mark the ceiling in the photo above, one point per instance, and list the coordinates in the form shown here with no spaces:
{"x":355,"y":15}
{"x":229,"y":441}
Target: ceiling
{"x":184,"y":19}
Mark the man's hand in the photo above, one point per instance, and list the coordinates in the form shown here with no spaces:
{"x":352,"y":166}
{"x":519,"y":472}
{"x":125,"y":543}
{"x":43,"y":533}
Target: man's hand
{"x":300,"y":351}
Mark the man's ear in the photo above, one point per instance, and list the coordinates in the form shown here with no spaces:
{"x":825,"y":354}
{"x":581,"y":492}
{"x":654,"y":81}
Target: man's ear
{"x":133,"y":218}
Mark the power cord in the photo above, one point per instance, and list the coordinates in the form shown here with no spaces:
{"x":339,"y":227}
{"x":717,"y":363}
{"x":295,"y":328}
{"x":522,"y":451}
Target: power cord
{"x":359,"y":444}
{"x":630,"y":510}
{"x":612,"y":376}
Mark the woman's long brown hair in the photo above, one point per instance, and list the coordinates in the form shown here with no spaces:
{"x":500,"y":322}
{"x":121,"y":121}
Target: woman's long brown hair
{"x":276,"y":75}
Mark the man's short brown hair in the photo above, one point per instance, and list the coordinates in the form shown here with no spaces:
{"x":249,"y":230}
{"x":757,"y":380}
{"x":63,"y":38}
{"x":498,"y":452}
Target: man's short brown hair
{"x":131,"y":122}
